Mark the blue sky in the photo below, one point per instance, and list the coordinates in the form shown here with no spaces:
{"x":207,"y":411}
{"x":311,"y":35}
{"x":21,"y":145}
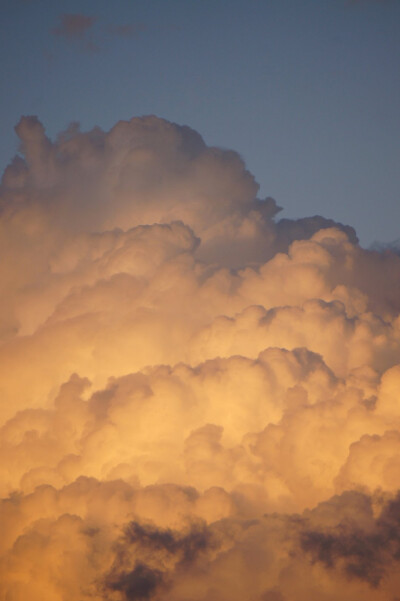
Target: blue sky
{"x":307,"y":91}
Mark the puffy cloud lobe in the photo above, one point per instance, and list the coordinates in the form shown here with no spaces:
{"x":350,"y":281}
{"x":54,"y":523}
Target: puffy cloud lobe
{"x":373,"y":461}
{"x":143,"y":171}
{"x":204,"y":415}
{"x":198,"y":401}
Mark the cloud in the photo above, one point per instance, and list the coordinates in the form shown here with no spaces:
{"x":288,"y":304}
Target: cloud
{"x":363,"y":553}
{"x":74,"y":26}
{"x":198,"y":399}
{"x":139,"y":583}
{"x":164,"y":548}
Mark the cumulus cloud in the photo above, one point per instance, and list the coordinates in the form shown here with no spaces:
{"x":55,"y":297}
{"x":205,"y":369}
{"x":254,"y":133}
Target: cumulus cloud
{"x":198,"y":400}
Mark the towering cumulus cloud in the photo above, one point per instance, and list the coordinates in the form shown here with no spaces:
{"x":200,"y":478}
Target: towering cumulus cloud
{"x":199,"y":402}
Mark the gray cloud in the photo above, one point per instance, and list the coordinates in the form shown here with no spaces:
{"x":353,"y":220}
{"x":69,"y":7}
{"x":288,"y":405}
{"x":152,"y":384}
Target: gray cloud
{"x":362,"y":552}
{"x":139,"y":583}
{"x":77,"y":29}
{"x":166,"y":550}
{"x":74,"y":26}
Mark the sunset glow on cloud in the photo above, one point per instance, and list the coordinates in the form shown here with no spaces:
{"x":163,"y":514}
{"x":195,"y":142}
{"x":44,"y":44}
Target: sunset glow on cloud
{"x":199,"y":401}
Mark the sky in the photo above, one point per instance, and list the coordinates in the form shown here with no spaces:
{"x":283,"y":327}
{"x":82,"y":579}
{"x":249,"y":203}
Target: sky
{"x":199,"y":391}
{"x":307,"y":92}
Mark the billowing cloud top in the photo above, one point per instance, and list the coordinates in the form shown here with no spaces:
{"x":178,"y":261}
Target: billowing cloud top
{"x":197,"y":401}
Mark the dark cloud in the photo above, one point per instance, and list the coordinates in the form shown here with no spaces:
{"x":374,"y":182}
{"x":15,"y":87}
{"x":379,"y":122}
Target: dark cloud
{"x":165,"y":551}
{"x":364,"y":551}
{"x":140,"y":583}
{"x":185,"y":546}
{"x":302,"y":229}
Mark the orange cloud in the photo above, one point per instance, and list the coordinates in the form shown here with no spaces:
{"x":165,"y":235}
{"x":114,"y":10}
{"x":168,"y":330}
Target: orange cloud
{"x":197,"y":399}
